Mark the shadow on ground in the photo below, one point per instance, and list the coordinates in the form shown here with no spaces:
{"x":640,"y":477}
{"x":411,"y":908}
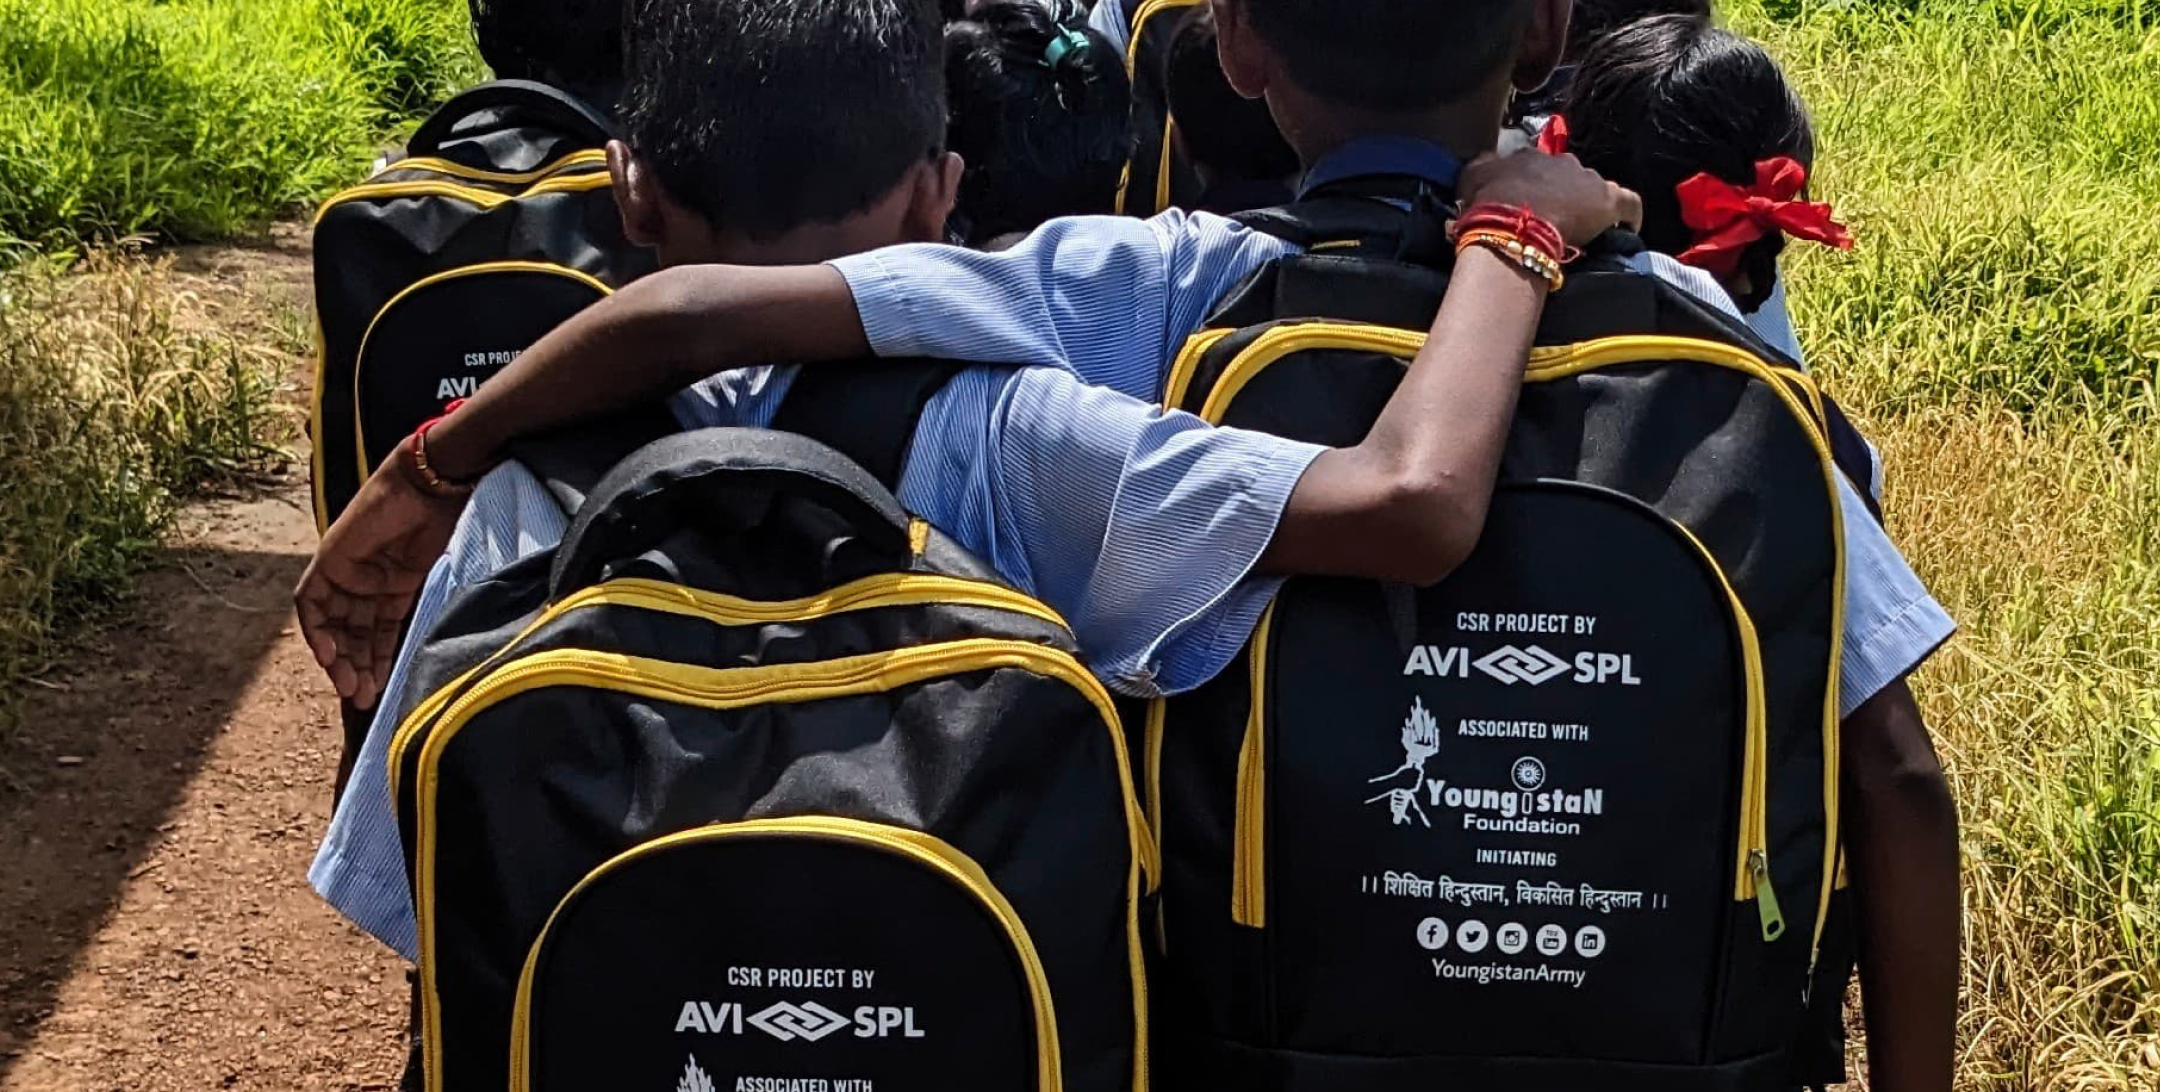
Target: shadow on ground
{"x":105,"y":752}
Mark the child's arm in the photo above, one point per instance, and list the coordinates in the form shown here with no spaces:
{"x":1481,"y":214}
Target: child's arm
{"x":1901,"y":838}
{"x":1405,"y":504}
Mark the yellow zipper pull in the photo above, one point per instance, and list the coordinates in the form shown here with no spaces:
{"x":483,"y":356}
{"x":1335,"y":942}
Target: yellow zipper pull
{"x":1766,"y":904}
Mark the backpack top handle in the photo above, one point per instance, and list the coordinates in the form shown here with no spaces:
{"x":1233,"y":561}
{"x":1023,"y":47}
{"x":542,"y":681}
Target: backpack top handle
{"x":722,"y":478}
{"x":559,"y":107}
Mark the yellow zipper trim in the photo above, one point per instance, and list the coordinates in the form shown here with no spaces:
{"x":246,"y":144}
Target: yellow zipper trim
{"x":1562,"y":361}
{"x":725,"y":688}
{"x":1152,"y":743}
{"x":868,"y":593}
{"x":1751,"y":869}
{"x":1162,"y":171}
{"x":1248,"y":862}
{"x":1187,"y":365}
{"x":477,"y":269}
{"x":486,"y":199}
{"x":924,"y":849}
{"x":317,"y":450}
{"x":585,"y":157}
{"x":1147,"y":11}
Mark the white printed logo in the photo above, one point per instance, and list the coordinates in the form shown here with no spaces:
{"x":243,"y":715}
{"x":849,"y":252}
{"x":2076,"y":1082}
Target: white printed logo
{"x":1512,"y":665}
{"x":1590,"y":942}
{"x":1471,"y":935}
{"x":1420,"y":741}
{"x":1432,"y":934}
{"x":1529,"y":774}
{"x":693,"y":1078}
{"x":1512,"y":938}
{"x":787,"y":1022}
{"x":1551,"y":940}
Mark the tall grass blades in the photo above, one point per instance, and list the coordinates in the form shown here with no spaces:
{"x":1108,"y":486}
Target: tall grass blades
{"x":2044,"y":540}
{"x":2005,"y":184}
{"x":1998,"y":327}
{"x":109,"y":413}
{"x":195,"y":119}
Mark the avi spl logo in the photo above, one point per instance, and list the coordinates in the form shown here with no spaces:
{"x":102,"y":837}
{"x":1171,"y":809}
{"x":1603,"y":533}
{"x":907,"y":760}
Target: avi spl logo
{"x":806,"y":1022}
{"x":1529,"y":665}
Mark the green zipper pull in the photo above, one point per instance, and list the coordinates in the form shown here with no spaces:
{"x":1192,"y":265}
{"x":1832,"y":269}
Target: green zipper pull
{"x":1766,"y":904}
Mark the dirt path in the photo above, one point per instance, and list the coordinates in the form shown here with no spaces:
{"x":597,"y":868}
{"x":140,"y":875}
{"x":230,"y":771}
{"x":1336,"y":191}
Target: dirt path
{"x":160,"y":804}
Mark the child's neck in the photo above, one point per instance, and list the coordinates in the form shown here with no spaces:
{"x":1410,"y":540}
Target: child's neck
{"x":1468,"y":128}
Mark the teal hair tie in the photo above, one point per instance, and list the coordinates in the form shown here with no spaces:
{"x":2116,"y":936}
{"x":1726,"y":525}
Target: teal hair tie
{"x":1067,"y":42}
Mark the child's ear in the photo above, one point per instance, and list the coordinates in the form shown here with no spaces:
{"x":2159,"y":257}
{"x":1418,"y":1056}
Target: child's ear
{"x":637,"y":197}
{"x":1238,"y":50}
{"x":1544,"y":44}
{"x":937,"y":187}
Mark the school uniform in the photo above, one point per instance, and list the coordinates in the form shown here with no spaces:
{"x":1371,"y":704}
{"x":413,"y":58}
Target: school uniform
{"x":1140,"y":527}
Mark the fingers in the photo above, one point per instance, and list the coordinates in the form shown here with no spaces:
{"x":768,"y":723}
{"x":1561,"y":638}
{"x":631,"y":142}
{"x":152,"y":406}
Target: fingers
{"x":1628,"y":207}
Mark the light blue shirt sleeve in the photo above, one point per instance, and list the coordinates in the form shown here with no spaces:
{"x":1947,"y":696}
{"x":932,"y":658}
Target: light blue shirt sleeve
{"x":1108,"y":20}
{"x":1141,"y":527}
{"x":1892,"y":624}
{"x":360,"y":867}
{"x":1109,"y":298}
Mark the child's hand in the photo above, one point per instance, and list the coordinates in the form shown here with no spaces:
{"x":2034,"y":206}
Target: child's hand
{"x":354,"y":596}
{"x":1578,"y":201}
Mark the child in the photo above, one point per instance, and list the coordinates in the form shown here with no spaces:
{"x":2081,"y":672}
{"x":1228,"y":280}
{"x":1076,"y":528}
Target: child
{"x":1039,"y":116}
{"x":1362,"y":89}
{"x":1702,"y":123}
{"x":1230,"y":140}
{"x":572,"y":44}
{"x":1592,"y":20}
{"x":829,"y":144}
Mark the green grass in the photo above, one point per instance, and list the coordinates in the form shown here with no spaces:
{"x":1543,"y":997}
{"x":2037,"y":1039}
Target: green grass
{"x":112,"y":411}
{"x":199,"y":119}
{"x":1998,"y":330}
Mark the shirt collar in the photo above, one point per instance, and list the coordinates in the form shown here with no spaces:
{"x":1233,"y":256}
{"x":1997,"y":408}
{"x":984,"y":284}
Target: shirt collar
{"x":1385,"y":156}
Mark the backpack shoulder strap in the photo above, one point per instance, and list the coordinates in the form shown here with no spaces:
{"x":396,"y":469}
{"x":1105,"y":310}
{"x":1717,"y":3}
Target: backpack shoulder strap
{"x":867,"y":412}
{"x":571,"y":461}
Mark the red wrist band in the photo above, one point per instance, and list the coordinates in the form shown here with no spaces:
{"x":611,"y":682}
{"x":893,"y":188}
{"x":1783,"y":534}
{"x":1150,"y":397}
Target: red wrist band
{"x":1521,"y":223}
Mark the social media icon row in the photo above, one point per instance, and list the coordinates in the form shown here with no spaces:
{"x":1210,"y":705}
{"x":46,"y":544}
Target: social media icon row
{"x":1472,"y":936}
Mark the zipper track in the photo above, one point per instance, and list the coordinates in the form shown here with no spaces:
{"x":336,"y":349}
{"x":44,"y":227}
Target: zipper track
{"x":721,"y":688}
{"x":1248,"y":862}
{"x":924,"y":849}
{"x":583,"y":157}
{"x":487,"y":199}
{"x":868,"y":593}
{"x":1799,"y":394}
{"x":360,"y":356}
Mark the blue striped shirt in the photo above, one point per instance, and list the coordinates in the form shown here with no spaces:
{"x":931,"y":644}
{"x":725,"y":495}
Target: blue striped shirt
{"x":1141,"y":527}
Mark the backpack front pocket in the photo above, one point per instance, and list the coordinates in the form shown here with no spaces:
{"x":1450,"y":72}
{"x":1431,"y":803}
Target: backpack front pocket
{"x":786,"y":954}
{"x":443,"y":336}
{"x":1563,"y":822}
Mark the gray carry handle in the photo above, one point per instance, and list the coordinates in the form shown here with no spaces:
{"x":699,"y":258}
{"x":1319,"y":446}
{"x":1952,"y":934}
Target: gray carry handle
{"x":561,"y":108}
{"x":706,"y":477}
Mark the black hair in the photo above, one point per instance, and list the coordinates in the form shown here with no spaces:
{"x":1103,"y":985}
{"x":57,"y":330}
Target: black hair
{"x":765,"y":115}
{"x":1593,"y":19}
{"x":576,"y":44}
{"x":1045,"y":129}
{"x":1222,"y":131}
{"x":1391,"y":56}
{"x":1663,"y":99}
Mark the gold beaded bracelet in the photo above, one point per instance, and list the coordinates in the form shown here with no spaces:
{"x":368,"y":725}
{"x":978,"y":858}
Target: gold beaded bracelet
{"x":1544,"y":265}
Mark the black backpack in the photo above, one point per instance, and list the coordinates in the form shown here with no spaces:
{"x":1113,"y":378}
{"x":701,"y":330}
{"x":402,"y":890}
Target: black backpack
{"x":754,"y":779}
{"x":1156,"y":178}
{"x":435,"y":273}
{"x":1560,"y":823}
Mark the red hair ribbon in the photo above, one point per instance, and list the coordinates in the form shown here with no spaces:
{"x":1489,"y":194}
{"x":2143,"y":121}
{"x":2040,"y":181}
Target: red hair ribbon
{"x":1727,"y":219}
{"x":1552,"y":140}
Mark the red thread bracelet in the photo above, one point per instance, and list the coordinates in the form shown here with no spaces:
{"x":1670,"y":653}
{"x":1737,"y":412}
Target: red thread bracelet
{"x":417,"y":456}
{"x":1521,"y":223}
